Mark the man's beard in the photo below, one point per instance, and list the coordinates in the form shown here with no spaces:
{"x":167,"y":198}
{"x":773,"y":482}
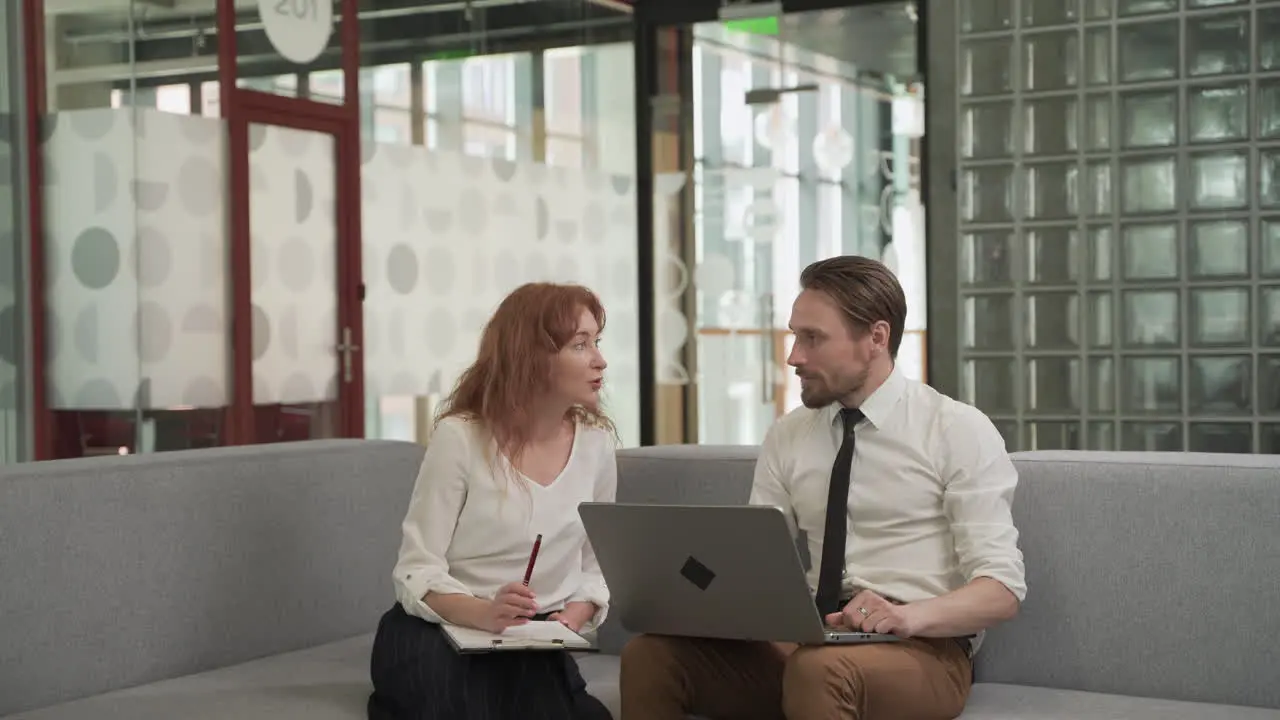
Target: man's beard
{"x":820,"y":397}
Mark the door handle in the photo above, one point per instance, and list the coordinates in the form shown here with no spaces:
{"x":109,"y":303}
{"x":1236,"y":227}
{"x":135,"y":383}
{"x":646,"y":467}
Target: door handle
{"x":346,"y":348}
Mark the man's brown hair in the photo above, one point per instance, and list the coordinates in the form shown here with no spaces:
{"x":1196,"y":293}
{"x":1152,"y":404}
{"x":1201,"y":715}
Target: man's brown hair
{"x":865,"y":290}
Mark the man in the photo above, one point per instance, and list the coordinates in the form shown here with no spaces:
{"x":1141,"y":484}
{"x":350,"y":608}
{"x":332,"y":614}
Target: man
{"x":918,"y":542}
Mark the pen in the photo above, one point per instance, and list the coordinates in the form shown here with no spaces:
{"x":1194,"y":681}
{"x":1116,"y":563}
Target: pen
{"x":533,"y":557}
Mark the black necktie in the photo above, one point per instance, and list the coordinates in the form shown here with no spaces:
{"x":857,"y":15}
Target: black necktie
{"x":835,"y":532}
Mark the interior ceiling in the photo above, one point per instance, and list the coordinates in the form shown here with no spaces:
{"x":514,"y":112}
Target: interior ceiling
{"x":877,"y":38}
{"x":390,"y":30}
{"x":184,"y":8}
{"x":139,"y":7}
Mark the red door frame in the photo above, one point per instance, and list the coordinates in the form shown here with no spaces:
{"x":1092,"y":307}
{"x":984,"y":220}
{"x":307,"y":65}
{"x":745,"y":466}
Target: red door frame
{"x":239,"y":108}
{"x":34,"y":81}
{"x":264,"y":109}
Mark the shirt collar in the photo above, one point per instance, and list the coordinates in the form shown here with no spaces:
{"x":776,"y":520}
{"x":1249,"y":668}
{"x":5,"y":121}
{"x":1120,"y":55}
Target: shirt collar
{"x":878,"y":407}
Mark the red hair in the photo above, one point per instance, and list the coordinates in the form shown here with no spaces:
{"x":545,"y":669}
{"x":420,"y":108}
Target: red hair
{"x":513,"y":367}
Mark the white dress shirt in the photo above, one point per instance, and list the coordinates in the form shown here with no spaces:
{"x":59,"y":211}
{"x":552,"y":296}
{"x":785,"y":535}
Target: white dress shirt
{"x":929,"y":498}
{"x":470,"y":529}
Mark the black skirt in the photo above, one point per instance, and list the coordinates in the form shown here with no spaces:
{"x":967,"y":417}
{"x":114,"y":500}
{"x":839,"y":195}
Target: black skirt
{"x":417,"y":675}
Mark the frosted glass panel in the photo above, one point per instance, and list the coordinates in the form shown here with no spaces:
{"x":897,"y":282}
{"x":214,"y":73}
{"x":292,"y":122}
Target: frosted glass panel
{"x":1219,"y":113}
{"x":295,"y":250}
{"x":986,"y":67}
{"x":1131,"y":226}
{"x":1220,"y":181}
{"x":1051,"y":61}
{"x":1219,"y":249}
{"x":1148,"y":51}
{"x":1219,"y":317}
{"x":1218,"y":44}
{"x":1150,"y":119}
{"x":1150,"y":185}
{"x":1151,"y":318}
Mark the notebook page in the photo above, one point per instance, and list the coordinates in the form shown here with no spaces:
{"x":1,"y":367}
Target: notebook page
{"x":532,"y":634}
{"x":542,"y":630}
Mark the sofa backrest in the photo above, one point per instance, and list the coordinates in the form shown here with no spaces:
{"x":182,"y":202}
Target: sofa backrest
{"x":1149,"y":574}
{"x":122,"y":571}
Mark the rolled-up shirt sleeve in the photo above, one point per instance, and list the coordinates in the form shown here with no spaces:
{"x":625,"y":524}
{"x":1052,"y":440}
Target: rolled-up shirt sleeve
{"x":767,"y":486}
{"x":438,"y":496}
{"x":980,"y":481}
{"x":593,"y":588}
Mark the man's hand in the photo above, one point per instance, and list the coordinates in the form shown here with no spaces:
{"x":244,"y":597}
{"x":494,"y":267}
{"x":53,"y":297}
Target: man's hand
{"x":869,"y":612}
{"x":575,"y":615}
{"x":513,"y":605}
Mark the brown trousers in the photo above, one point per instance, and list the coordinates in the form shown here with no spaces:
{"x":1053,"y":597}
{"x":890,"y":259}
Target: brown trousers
{"x":668,"y":678}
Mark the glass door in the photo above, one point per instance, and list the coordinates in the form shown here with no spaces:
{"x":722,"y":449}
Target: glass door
{"x":292,"y":222}
{"x":294,"y":158}
{"x":743,"y":129}
{"x":798,"y":146}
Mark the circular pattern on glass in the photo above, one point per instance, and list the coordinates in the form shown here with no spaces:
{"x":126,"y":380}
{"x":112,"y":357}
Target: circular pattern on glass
{"x":402,"y":269}
{"x":98,"y":394}
{"x":95,"y":258}
{"x":91,"y":124}
{"x":304,"y":198}
{"x":202,"y":319}
{"x":150,"y":196}
{"x":261,"y":332}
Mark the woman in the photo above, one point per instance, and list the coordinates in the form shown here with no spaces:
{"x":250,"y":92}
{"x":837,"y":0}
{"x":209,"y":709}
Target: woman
{"x":520,"y":443}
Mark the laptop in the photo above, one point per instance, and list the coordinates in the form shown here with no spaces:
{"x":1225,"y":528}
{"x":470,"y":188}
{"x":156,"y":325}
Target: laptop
{"x":730,"y":572}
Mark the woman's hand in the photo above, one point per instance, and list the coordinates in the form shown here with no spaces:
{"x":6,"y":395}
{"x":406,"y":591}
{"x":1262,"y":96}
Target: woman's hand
{"x":513,"y":605}
{"x":575,"y":615}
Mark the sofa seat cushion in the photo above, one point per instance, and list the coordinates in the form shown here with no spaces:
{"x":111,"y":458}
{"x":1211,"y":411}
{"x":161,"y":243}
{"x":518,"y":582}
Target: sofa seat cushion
{"x":601,"y":673}
{"x":994,"y":701}
{"x":328,"y":682}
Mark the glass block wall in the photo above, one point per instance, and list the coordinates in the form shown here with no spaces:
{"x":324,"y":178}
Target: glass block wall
{"x":1117,"y":209}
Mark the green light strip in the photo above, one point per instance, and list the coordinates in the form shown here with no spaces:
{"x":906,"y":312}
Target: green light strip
{"x":754,"y":26}
{"x":449,"y":55}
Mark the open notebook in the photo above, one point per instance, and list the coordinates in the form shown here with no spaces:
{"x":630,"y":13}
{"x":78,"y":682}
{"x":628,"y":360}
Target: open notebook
{"x":533,"y":635}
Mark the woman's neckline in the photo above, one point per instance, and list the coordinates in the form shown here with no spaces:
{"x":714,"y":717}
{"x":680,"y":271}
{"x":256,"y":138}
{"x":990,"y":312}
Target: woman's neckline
{"x":576,"y":428}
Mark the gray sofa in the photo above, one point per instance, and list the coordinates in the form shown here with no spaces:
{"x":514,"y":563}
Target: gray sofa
{"x":1154,"y":581}
{"x":245,"y":583}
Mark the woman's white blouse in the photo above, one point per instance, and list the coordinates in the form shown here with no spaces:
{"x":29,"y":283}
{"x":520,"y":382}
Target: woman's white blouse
{"x":472,"y":521}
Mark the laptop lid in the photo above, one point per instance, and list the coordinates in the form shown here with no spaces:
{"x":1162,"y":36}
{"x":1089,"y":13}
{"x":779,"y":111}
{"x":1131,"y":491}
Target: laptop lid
{"x":728,"y":572}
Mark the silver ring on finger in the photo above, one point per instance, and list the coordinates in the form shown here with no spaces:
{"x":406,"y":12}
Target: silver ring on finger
{"x":863,"y":612}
